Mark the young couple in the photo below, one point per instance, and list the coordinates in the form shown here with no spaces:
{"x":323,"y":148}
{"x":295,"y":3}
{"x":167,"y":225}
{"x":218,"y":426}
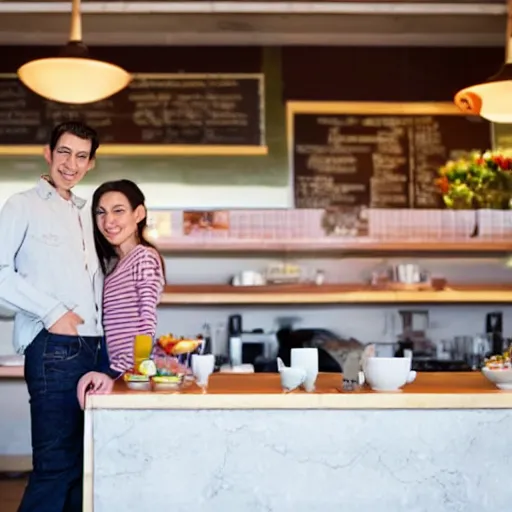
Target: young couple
{"x":82,"y":286}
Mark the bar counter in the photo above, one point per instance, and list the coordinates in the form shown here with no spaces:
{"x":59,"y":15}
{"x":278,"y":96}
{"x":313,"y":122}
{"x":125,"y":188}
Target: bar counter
{"x":457,"y":390}
{"x":438,"y":445}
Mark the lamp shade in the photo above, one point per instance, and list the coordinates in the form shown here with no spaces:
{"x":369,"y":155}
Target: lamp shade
{"x":74,"y":80}
{"x":492,"y":99}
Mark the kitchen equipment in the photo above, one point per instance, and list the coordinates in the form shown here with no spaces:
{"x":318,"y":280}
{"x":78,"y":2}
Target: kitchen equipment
{"x":258,"y":345}
{"x":494,"y":327}
{"x":471,"y":349}
{"x":332,"y":350}
{"x":234,"y":339}
{"x":206,"y":346}
{"x":409,"y":273}
{"x":427,"y":364}
{"x":414,"y":321}
{"x":415,"y":324}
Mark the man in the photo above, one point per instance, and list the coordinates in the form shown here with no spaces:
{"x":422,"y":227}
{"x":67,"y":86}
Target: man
{"x":50,"y":277}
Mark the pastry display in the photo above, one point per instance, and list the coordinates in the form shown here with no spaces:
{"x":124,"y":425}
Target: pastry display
{"x":499,"y":362}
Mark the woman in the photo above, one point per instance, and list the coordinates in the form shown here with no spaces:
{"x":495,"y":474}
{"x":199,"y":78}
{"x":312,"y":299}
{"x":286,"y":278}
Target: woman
{"x":134,"y":273}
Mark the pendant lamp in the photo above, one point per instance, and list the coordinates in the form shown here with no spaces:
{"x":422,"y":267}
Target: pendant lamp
{"x":73,"y":77}
{"x":492,"y":99}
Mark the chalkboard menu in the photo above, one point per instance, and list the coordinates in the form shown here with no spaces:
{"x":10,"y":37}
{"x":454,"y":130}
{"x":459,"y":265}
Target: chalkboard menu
{"x":155,"y":114}
{"x":386,"y":159}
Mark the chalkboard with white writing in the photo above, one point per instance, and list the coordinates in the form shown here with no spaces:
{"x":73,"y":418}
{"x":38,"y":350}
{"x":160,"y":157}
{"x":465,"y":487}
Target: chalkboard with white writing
{"x":378,"y":160}
{"x":154,"y":111}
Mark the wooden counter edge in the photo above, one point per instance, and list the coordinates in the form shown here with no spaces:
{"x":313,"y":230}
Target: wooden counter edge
{"x":131,"y":401}
{"x":12,"y":372}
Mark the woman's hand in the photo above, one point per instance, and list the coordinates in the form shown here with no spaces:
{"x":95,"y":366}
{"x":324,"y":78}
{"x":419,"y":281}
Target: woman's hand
{"x":93,"y":383}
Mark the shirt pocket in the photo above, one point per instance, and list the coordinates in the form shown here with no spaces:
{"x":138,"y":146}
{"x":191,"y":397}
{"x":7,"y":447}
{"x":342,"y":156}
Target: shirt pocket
{"x":49,"y":239}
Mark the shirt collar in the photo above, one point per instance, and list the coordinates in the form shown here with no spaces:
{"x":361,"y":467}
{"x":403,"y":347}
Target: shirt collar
{"x":46,"y":190}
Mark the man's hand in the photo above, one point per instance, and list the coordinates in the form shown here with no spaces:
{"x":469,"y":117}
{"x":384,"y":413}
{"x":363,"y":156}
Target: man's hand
{"x":93,"y":383}
{"x":67,"y":324}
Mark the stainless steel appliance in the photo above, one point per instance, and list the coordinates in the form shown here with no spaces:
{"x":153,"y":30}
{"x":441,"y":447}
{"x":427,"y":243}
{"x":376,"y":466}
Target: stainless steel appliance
{"x":250,"y":347}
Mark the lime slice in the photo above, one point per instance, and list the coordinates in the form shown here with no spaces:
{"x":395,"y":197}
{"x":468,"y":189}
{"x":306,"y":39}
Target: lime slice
{"x":147,"y":367}
{"x":132,"y":377}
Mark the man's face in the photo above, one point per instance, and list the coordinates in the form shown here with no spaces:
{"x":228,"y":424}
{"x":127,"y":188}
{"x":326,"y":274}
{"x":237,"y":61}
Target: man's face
{"x":69,"y":162}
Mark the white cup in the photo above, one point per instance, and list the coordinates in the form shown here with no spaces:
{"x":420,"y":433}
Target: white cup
{"x":306,"y":359}
{"x":202,"y":367}
{"x":388,"y":373}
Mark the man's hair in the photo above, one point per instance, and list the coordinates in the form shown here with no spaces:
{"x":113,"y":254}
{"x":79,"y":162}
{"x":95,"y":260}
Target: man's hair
{"x":80,"y":130}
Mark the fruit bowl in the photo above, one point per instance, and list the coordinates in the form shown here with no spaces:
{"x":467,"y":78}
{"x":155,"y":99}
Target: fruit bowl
{"x":178,"y":346}
{"x":498,"y":369}
{"x":168,"y":366}
{"x":137,"y":382}
{"x":501,"y":377}
{"x":168,"y":382}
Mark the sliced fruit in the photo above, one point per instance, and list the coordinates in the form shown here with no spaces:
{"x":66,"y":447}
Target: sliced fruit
{"x":167,"y":379}
{"x":147,"y":367}
{"x":184,"y":347}
{"x":133,"y":377}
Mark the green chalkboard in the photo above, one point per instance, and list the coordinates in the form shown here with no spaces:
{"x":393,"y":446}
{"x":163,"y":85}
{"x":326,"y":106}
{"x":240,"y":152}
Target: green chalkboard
{"x":266,"y":170}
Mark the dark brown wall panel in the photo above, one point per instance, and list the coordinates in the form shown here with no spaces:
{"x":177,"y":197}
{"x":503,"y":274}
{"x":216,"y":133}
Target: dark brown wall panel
{"x":146,"y":59}
{"x":384,"y":74}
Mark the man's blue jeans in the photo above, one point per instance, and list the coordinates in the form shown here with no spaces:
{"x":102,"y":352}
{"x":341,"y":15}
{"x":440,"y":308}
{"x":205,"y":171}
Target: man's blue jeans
{"x":53,"y":367}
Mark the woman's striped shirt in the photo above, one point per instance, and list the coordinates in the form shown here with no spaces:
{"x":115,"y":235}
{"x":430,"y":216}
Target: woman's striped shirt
{"x":130,"y":296}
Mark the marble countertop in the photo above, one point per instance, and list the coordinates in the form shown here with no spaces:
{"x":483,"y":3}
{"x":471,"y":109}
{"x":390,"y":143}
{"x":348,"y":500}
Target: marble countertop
{"x":263,"y":391}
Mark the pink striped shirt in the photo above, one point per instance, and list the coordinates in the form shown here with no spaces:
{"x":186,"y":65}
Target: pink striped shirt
{"x":130,"y":297}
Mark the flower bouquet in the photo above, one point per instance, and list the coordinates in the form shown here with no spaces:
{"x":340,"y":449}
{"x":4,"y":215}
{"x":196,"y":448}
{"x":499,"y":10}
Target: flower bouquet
{"x":480,"y":180}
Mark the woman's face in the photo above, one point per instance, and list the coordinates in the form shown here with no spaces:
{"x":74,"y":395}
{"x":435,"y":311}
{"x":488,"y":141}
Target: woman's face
{"x":116,"y":219}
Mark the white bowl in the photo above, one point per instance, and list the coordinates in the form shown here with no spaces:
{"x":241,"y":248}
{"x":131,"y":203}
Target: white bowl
{"x":139,"y":386}
{"x":388,"y":373}
{"x":502,"y":378}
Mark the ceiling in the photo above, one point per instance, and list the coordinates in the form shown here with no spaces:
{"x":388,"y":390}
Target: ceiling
{"x":378,"y":23}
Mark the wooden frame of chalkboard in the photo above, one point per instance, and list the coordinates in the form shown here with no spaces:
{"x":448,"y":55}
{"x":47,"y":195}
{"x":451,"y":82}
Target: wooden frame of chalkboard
{"x":157,"y":114}
{"x":376,"y":154}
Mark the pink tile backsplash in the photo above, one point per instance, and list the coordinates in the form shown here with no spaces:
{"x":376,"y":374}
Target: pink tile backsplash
{"x":384,"y":224}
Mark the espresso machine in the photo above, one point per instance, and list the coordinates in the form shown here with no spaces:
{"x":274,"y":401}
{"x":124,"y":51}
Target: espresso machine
{"x":414,"y":338}
{"x":494,"y":329}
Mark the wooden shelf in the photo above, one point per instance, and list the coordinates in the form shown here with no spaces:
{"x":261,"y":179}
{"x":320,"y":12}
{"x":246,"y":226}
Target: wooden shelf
{"x":331,"y":294}
{"x":361,"y":246}
{"x":11,"y":372}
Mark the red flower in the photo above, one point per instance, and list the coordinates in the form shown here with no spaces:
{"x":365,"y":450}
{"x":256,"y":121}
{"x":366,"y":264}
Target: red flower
{"x":502,"y":162}
{"x":443,"y":184}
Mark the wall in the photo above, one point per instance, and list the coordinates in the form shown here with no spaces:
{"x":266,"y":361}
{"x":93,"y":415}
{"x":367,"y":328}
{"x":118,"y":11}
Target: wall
{"x":257,"y":181}
{"x":359,"y":74}
{"x":292,"y":73}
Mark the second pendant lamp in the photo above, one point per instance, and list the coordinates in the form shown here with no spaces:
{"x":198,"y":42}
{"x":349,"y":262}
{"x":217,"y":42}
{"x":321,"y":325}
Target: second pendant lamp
{"x":492,"y":99}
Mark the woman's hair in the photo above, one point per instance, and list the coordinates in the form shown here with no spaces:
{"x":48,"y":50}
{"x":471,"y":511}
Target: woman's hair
{"x":105,"y":250}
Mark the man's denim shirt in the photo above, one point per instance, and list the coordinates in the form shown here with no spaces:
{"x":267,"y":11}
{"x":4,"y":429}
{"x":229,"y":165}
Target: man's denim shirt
{"x":48,"y":264}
